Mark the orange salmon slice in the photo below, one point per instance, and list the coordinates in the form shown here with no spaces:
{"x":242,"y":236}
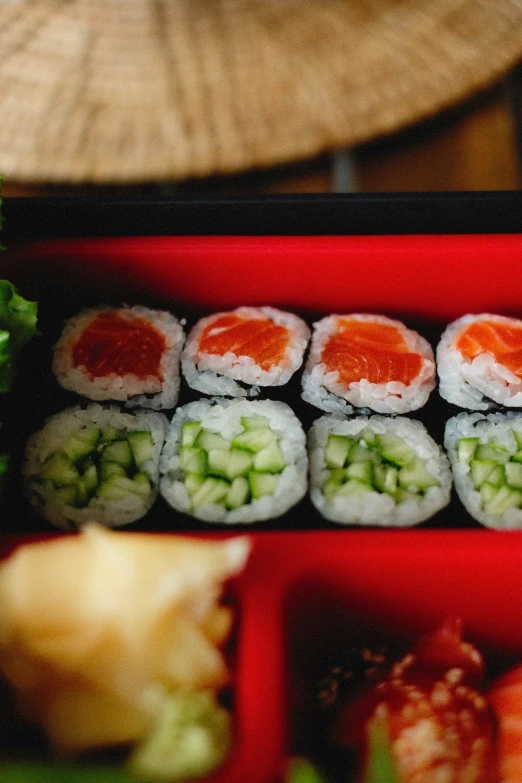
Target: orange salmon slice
{"x":259,"y":338}
{"x":372,"y":351}
{"x":114,"y":344}
{"x":503,"y":341}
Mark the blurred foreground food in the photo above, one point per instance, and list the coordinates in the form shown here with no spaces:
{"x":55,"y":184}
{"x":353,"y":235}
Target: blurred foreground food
{"x":116,"y":639}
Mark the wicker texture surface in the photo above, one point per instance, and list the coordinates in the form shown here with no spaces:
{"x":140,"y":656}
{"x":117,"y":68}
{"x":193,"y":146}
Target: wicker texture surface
{"x":128,"y":91}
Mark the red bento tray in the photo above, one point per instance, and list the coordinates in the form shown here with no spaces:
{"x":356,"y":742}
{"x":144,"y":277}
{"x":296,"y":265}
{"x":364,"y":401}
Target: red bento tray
{"x":406,"y":582}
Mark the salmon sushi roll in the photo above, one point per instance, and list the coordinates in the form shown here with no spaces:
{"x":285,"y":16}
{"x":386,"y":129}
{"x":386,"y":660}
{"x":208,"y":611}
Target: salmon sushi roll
{"x":367,"y":361}
{"x":479,"y":361}
{"x":129,"y":354}
{"x":233,"y":353}
{"x":505,"y":698}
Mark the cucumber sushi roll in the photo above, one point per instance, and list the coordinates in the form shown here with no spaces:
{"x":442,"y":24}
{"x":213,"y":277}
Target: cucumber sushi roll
{"x":129,"y":354}
{"x":376,"y":471}
{"x":234,"y":460}
{"x":479,"y":362}
{"x":485,"y":451}
{"x":95,"y":464}
{"x":233,"y":353}
{"x":367,"y":361}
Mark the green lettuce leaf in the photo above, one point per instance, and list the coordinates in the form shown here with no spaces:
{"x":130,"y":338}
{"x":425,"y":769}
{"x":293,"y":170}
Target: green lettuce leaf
{"x":18,"y":319}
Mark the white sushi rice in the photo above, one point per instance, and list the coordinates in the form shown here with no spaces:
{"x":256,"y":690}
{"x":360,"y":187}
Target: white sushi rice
{"x":499,"y":426}
{"x":150,"y":392}
{"x":224,"y":417}
{"x":375,"y":508}
{"x":324,"y":389}
{"x":477,"y":383}
{"x":50,"y":439}
{"x":216,"y":374}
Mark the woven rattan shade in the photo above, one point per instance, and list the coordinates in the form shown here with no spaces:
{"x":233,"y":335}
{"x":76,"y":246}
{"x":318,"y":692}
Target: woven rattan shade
{"x":113,"y":91}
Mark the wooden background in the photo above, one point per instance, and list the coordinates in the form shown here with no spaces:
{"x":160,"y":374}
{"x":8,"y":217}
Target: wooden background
{"x":475,"y":146}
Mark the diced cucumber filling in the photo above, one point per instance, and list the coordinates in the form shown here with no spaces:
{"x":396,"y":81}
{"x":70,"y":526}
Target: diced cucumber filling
{"x":393,"y":449}
{"x":385,"y":478}
{"x":231,"y":473}
{"x":189,"y":432}
{"x":254,"y":440}
{"x":256,"y":422}
{"x":487,"y":492}
{"x":100,"y":462}
{"x":119,"y":487}
{"x":513,"y":471}
{"x":238,"y":493}
{"x":504,"y":499}
{"x":213,"y":490}
{"x":360,"y":453}
{"x":217,"y":461}
{"x":80,"y":444}
{"x":59,"y":470}
{"x":110,"y":469}
{"x":270,"y":459}
{"x":211,"y":440}
{"x":333,"y":484}
{"x":262,"y":483}
{"x":193,"y":460}
{"x":403,"y":495}
{"x":496,"y":474}
{"x":490,"y":452}
{"x":111,"y":433}
{"x":90,"y":478}
{"x":142,"y":446}
{"x":337,"y":450}
{"x":353,"y":488}
{"x":416,"y":475}
{"x":239,"y":463}
{"x":193,"y":482}
{"x":362,"y":471}
{"x":119,"y":451}
{"x":377,"y":462}
{"x":466,"y":449}
{"x":480,"y":470}
{"x":497,"y":477}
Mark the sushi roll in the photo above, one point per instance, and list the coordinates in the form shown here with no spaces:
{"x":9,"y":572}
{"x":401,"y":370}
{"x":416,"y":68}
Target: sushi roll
{"x":95,"y":464}
{"x":479,"y":361}
{"x":130,"y":354}
{"x":367,"y":361}
{"x":248,"y":347}
{"x":485,"y":452}
{"x":234,"y":460}
{"x":374,"y":470}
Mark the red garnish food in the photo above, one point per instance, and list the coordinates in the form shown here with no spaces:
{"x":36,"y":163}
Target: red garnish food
{"x":372,"y":351}
{"x":505,"y":697}
{"x":112,"y":343}
{"x":437,"y":719}
{"x":259,"y":338}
